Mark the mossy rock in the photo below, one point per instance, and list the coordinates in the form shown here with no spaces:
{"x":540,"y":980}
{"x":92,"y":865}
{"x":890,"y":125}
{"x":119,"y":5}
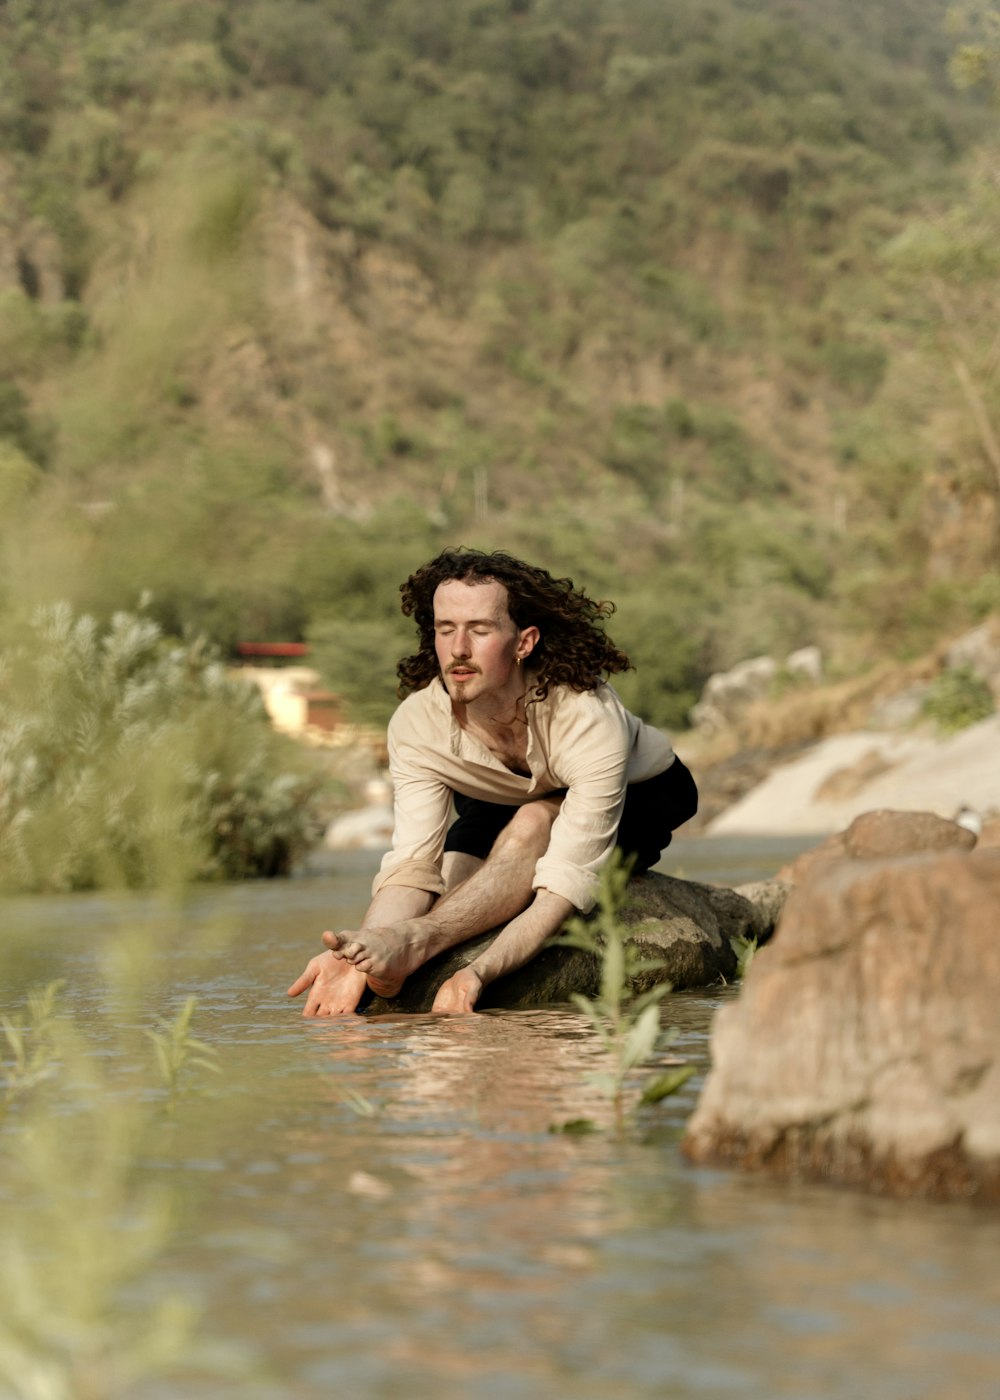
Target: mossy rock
{"x":689,"y":926}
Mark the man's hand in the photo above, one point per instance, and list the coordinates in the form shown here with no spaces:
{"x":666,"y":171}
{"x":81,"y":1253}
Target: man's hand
{"x":460,"y":993}
{"x":335,"y":986}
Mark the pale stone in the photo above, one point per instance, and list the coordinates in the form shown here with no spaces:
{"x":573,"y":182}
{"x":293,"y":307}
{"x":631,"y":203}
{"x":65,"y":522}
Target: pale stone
{"x":728,"y":693}
{"x":865,"y":1045}
{"x":806,"y":663}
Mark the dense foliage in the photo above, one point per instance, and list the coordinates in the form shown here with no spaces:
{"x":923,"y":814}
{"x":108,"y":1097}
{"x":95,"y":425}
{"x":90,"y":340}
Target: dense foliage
{"x":695,"y":302}
{"x":128,"y":761}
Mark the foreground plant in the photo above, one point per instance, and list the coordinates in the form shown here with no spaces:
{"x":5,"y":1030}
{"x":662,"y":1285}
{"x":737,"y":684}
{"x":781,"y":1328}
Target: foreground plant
{"x":85,"y":1224}
{"x":627,"y":1026}
{"x":34,"y":1055}
{"x":179,"y":1053}
{"x":744,"y":950}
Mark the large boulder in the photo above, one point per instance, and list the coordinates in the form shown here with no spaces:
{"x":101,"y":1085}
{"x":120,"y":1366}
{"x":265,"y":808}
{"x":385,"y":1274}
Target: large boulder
{"x":864,"y":1047}
{"x":689,"y":926}
{"x":878,"y":836}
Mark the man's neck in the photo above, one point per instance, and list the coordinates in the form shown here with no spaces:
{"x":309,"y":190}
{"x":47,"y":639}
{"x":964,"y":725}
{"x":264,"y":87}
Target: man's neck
{"x":499,"y":709}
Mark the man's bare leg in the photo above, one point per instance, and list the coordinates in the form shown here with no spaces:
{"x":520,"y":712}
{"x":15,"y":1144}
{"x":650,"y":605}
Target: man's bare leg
{"x":457,"y":867}
{"x":495,"y":893}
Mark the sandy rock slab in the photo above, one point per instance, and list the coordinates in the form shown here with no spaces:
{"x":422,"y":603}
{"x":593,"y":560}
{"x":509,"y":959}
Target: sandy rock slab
{"x":865,"y":1045}
{"x":687,"y":925}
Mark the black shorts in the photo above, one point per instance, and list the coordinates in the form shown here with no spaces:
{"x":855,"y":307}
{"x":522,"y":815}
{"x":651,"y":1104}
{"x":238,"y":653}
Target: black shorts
{"x":653,"y":810}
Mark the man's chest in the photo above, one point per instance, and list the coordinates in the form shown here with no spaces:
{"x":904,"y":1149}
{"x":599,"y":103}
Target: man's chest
{"x":507,"y":744}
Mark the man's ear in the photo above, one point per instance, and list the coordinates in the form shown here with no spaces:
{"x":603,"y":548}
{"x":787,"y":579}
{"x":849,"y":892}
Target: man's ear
{"x":528,"y":639}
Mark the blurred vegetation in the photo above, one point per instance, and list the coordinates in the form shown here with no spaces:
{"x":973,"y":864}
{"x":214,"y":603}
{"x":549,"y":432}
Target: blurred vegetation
{"x":695,"y":303}
{"x":128,"y":761}
{"x":958,"y":698}
{"x":86,"y":1222}
{"x":627,"y":1026}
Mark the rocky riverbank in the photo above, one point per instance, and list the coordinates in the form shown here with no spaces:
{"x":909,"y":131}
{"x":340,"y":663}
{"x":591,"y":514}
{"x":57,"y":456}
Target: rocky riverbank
{"x":864,"y":1047}
{"x":924,"y":737}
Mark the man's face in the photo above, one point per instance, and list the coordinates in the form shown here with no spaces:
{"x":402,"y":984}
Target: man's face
{"x":476,"y":642}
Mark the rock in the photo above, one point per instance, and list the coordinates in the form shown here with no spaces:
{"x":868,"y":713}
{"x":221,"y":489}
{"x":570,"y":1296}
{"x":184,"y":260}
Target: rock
{"x":865,"y":1044}
{"x":728,"y":693}
{"x":876,"y":836}
{"x":848,"y":781}
{"x":901,"y":709}
{"x":767,"y":898}
{"x":805,"y":664}
{"x":970,"y":819}
{"x":365,"y":829}
{"x":686,"y":924}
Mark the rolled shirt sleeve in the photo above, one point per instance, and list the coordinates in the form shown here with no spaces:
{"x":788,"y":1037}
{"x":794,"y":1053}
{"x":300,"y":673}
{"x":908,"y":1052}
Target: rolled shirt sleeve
{"x":595,"y":747}
{"x":422,"y":811}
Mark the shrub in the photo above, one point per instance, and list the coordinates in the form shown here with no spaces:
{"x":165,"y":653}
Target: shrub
{"x":128,"y":761}
{"x":18,"y":475}
{"x":958,"y":698}
{"x":19,"y":429}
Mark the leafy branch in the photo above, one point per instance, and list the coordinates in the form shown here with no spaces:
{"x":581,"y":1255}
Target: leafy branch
{"x":32,"y":1044}
{"x":178,"y":1052}
{"x":627,"y":1027}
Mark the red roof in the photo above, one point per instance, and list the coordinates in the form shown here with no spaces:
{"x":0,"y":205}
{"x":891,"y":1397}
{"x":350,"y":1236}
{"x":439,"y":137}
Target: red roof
{"x":272,"y":648}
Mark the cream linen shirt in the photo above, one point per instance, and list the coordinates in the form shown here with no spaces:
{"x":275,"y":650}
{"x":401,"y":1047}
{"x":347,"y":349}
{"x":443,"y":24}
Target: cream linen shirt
{"x":585,"y":742}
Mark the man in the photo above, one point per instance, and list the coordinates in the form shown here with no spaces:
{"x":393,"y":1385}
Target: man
{"x":507,"y":716}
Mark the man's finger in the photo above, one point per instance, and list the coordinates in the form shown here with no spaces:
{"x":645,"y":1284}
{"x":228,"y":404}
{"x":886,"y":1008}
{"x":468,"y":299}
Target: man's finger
{"x":301,"y":983}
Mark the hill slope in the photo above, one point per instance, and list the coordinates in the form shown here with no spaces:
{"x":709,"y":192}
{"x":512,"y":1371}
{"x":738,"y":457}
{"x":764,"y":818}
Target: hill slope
{"x":692,"y":302}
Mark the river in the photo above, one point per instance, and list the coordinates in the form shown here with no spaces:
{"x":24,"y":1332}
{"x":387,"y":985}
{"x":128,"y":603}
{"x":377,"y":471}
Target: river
{"x":378,"y":1208}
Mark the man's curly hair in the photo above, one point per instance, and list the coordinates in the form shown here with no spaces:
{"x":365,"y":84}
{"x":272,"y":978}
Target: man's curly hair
{"x":573,"y":648}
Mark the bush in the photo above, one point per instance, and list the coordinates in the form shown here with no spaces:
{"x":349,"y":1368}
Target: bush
{"x":957,"y":699}
{"x":128,"y":761}
{"x":19,"y":429}
{"x":18,"y":475}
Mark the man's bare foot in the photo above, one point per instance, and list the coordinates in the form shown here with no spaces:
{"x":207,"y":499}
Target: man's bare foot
{"x":385,"y":955}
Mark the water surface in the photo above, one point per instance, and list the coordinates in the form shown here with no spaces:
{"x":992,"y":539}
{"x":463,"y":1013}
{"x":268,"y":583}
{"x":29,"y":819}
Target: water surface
{"x":378,"y":1208}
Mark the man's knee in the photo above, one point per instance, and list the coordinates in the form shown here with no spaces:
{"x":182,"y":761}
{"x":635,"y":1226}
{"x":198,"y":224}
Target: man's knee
{"x":530,"y":827}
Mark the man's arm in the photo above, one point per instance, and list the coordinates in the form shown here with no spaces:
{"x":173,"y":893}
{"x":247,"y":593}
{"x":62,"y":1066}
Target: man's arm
{"x":515,"y":945}
{"x":335,"y":986}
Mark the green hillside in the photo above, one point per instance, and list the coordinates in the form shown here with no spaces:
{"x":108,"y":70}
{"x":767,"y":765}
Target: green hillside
{"x":695,"y":302}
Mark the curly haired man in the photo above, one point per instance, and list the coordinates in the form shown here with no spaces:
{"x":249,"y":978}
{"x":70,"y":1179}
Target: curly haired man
{"x":508,"y":722}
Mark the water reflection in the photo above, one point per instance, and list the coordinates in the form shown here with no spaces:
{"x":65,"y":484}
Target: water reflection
{"x":448,"y":1245}
{"x":451,"y":1246}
